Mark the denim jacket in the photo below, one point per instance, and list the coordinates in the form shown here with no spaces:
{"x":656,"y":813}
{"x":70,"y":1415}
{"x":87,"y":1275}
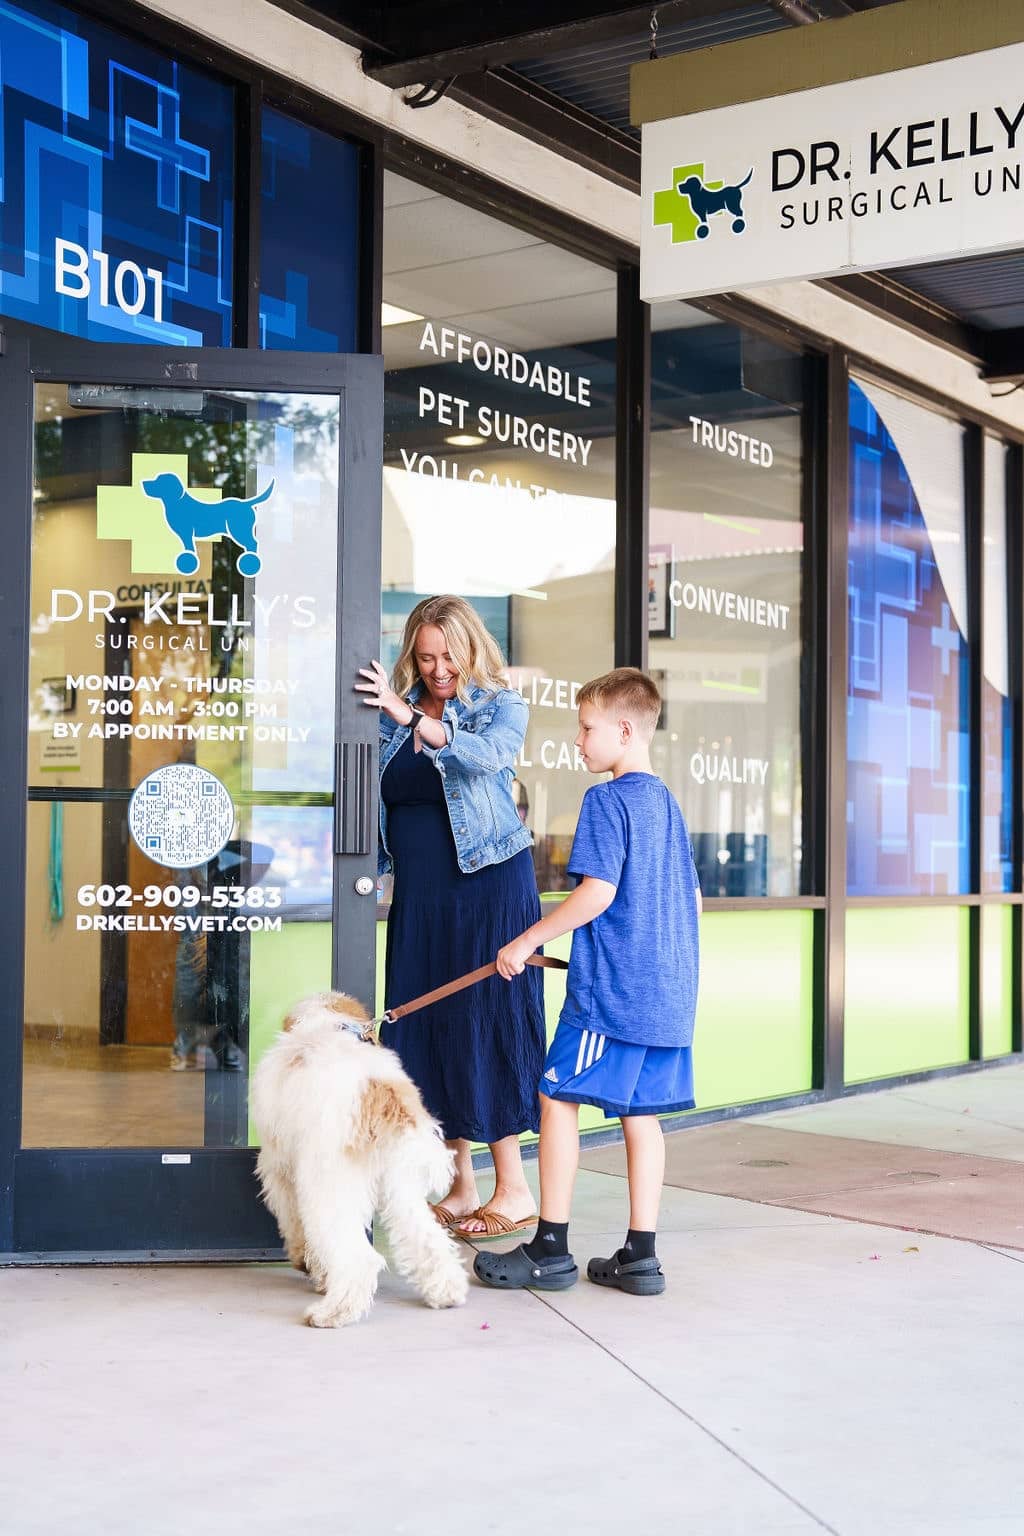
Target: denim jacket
{"x":484,"y":736}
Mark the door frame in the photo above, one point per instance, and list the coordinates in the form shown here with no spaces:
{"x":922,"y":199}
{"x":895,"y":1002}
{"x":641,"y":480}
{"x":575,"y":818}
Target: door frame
{"x":97,"y":1203}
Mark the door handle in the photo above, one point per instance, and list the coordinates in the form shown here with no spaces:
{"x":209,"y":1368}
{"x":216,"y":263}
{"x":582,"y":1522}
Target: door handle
{"x":353,"y":767}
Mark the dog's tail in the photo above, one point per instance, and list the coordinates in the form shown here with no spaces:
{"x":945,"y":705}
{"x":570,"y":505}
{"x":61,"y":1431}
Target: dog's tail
{"x":254,"y":501}
{"x":745,"y":179}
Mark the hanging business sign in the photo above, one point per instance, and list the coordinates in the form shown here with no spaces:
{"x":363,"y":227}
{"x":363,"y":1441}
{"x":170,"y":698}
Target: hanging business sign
{"x":923,"y":164}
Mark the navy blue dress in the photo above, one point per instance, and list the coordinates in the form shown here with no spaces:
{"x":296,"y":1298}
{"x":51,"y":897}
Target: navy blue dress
{"x":476,"y":1057}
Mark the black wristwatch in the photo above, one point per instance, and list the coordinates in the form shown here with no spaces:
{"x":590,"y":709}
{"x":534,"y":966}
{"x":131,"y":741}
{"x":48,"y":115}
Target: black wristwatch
{"x":417,"y":716}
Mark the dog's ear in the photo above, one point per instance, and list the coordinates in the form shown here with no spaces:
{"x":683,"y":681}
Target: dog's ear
{"x":350,"y":1007}
{"x":290,"y":1022}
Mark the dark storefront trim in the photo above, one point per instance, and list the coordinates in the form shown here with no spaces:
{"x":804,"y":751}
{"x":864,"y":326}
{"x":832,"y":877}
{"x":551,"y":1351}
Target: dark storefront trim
{"x":826,"y":507}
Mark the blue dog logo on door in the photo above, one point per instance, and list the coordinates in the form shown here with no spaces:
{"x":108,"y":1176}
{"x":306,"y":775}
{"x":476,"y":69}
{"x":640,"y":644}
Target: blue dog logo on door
{"x":706,"y":201}
{"x":190,"y":519}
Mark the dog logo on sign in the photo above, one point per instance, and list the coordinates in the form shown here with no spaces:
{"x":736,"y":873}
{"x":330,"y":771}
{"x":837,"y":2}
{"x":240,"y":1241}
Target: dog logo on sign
{"x":190,"y":519}
{"x":164,"y":517}
{"x":692,"y":201}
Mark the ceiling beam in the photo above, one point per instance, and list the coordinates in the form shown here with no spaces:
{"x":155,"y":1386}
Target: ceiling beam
{"x":883,"y":294}
{"x":1003,"y":355}
{"x":526,"y":107}
{"x":425,"y":42}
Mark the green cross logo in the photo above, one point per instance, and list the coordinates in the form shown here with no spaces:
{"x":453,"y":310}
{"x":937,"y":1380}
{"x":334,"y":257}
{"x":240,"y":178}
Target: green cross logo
{"x":127,"y":512}
{"x":675,"y":210}
{"x":690,"y":203}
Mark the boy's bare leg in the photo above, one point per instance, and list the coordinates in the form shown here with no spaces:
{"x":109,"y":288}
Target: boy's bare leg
{"x":559,"y":1157}
{"x":645,"y":1169}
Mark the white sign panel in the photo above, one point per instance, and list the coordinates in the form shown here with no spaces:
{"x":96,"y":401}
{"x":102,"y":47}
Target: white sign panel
{"x":920,"y":165}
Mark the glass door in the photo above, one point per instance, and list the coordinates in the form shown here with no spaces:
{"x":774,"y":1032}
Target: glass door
{"x":199,"y":551}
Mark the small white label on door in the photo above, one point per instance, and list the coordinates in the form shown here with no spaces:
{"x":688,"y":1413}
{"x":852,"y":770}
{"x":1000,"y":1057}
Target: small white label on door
{"x":176,"y":1157}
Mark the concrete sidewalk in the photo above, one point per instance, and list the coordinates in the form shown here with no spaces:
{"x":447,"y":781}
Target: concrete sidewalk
{"x":803,"y":1373}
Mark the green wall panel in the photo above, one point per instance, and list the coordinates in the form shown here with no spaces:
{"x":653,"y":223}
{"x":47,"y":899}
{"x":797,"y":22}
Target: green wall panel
{"x":754,"y":1024}
{"x":996,"y":981}
{"x":755,"y":1016}
{"x":907,"y":997}
{"x":283,"y":967}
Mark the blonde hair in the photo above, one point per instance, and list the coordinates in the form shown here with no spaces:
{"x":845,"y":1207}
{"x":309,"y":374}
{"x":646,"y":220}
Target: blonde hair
{"x":471,"y":647}
{"x":626,"y":689}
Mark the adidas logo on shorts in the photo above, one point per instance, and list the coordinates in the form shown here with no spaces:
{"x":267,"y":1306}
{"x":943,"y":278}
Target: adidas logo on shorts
{"x":551,"y":1075}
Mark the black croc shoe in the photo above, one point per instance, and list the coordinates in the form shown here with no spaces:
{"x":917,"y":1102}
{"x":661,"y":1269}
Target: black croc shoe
{"x":643,"y":1277}
{"x":516,"y":1271}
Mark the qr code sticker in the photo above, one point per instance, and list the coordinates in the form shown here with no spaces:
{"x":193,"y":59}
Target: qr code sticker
{"x":181,"y":816}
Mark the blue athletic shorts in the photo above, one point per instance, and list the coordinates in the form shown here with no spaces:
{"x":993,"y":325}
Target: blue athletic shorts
{"x":622,"y":1079}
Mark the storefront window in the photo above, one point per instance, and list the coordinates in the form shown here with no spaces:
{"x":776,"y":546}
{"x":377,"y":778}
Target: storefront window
{"x":181,"y":737}
{"x":116,"y":185}
{"x":907,"y":732}
{"x":725,"y":595}
{"x":997,"y":713}
{"x":499,"y":478}
{"x":308,"y":238}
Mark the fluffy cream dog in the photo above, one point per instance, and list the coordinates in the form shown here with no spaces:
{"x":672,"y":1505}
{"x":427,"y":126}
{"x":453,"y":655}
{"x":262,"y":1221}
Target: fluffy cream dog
{"x":345,"y":1136}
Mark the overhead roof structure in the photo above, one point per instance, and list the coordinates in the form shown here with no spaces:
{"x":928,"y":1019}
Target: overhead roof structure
{"x":559,"y":70}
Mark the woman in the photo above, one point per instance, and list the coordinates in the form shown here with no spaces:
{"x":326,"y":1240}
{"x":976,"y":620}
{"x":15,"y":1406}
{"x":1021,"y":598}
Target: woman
{"x":450,"y":729}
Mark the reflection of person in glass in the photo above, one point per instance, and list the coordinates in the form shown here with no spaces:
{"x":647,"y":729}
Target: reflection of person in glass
{"x":450,"y":729}
{"x":199,"y":998}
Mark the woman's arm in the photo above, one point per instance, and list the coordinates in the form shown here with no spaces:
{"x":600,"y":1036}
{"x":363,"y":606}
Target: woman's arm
{"x":494,"y":747}
{"x":590,"y":898}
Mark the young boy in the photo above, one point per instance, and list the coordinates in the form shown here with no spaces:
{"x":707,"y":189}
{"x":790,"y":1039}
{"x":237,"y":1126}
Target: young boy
{"x":624,"y":1035}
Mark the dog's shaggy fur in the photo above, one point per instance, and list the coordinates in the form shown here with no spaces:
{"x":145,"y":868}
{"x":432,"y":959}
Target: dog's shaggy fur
{"x":345,"y":1136}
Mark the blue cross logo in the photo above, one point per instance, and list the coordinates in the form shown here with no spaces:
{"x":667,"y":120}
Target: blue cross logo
{"x":175,"y":156}
{"x":946,"y":639}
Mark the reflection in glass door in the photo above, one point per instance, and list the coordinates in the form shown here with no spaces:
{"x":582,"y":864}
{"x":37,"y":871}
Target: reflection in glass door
{"x":182,"y":685}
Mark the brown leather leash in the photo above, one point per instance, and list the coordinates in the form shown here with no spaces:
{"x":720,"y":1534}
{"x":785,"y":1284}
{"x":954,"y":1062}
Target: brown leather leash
{"x":460,"y":983}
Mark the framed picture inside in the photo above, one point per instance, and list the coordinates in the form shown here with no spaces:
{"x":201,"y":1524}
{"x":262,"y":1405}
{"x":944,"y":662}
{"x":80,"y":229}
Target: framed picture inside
{"x":661,"y":618}
{"x":55,"y":696}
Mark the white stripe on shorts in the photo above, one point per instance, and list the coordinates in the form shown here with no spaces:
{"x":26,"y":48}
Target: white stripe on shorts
{"x":600,"y":1047}
{"x":584,"y":1037}
{"x":592,"y":1048}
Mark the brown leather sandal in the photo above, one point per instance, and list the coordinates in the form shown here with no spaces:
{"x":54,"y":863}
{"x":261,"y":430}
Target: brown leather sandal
{"x":495,"y":1225}
{"x":444,"y":1217}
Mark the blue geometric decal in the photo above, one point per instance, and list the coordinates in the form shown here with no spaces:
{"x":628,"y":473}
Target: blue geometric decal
{"x":309,"y":238}
{"x":116,"y":171}
{"x":997,"y":789}
{"x":907,"y":712}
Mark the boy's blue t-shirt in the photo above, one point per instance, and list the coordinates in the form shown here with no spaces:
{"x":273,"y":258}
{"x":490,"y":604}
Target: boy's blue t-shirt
{"x":633,"y":970}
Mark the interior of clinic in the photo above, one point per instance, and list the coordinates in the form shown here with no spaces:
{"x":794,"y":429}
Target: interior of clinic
{"x":499,"y":484}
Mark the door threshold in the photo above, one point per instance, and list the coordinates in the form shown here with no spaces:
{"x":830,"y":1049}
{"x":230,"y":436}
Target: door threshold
{"x":148,"y":1256}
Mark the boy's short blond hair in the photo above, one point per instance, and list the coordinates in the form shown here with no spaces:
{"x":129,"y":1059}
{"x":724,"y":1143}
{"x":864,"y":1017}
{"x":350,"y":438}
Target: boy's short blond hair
{"x":626,"y":691}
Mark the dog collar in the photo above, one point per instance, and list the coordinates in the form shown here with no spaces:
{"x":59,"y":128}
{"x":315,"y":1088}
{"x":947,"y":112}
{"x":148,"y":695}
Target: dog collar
{"x":361,"y":1031}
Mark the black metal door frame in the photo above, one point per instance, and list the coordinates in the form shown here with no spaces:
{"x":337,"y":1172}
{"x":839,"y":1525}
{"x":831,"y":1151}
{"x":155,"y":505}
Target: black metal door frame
{"x":127,"y":1202}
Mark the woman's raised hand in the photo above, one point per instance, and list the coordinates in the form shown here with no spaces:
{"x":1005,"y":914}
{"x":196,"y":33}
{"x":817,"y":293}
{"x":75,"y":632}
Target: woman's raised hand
{"x":380,"y":693}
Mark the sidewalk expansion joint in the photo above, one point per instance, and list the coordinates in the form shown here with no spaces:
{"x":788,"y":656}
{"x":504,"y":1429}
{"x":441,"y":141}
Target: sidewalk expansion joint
{"x":689,"y":1417}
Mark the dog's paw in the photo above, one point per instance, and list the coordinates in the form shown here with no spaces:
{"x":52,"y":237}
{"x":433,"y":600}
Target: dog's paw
{"x":331,"y":1315}
{"x":321,"y":1317}
{"x":447,"y":1290}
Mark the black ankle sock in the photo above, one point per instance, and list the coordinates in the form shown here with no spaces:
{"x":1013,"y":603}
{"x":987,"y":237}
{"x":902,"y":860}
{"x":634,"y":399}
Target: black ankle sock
{"x":638,"y":1245}
{"x":551,"y":1241}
